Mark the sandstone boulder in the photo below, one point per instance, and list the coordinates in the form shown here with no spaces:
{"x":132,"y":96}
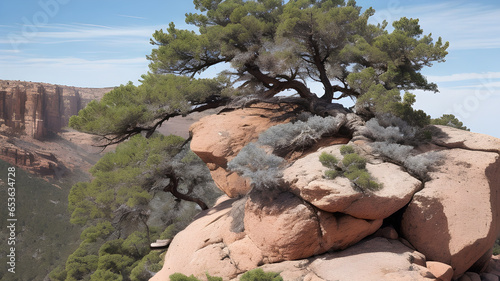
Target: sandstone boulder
{"x":285,"y":229}
{"x":208,"y":246}
{"x":218,"y":138}
{"x":373,"y":259}
{"x":288,"y":229}
{"x":456,"y":138}
{"x":455,"y":219}
{"x":306,"y":177}
{"x":440,"y":270}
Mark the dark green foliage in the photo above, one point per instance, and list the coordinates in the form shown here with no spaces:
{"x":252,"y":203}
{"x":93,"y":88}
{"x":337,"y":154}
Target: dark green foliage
{"x":353,"y":167}
{"x":129,"y":197}
{"x":129,"y":110}
{"x":354,"y":160}
{"x":449,"y":120}
{"x":346,"y":149}
{"x":361,"y":178}
{"x":58,"y":274}
{"x":328,"y":160}
{"x":152,"y":262}
{"x":121,"y":178}
{"x":275,"y":45}
{"x":331,"y":174}
{"x":259,"y":275}
{"x":182,"y":277}
{"x":253,"y":275}
{"x":496,"y":248}
{"x":82,"y":262}
{"x":102,"y":230}
{"x":380,"y":101}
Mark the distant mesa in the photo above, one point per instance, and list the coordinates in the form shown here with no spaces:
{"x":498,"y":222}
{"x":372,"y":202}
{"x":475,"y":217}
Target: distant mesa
{"x":39,"y":109}
{"x":32,"y":119}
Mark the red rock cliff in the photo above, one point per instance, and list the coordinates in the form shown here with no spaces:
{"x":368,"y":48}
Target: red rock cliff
{"x":39,"y":109}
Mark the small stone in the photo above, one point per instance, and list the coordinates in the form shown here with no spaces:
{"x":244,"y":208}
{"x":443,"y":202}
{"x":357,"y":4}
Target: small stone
{"x":440,"y":270}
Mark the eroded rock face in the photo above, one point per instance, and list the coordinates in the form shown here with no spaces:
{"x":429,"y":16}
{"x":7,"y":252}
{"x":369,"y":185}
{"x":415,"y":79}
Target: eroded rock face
{"x":208,"y":245}
{"x":286,"y":228}
{"x":455,"y":218}
{"x":452,"y":220}
{"x":40,"y":108}
{"x":218,"y":138}
{"x":371,"y":260}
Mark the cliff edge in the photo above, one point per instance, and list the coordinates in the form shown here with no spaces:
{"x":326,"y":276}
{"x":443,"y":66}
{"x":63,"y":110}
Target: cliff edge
{"x":433,"y":214}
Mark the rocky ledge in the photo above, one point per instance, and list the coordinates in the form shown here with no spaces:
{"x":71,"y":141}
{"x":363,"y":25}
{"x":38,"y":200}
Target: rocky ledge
{"x":437,"y":226}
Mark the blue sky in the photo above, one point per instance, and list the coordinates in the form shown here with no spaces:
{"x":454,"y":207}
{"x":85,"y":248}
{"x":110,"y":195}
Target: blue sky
{"x":91,"y":43}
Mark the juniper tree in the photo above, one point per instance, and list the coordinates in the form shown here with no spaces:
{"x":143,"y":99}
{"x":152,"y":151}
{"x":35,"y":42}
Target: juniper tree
{"x":267,"y":47}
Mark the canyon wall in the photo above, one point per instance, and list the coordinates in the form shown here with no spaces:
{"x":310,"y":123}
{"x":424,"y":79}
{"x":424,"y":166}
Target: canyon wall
{"x":32,"y":118}
{"x":38,"y":109}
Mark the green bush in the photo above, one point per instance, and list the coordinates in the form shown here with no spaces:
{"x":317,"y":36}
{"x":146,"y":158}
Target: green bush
{"x":328,"y":160}
{"x":259,"y":275}
{"x":331,"y":174}
{"x":353,"y":167}
{"x":253,"y":275}
{"x":182,"y":277}
{"x":353,"y":160}
{"x":346,"y":149}
{"x":362,"y":179}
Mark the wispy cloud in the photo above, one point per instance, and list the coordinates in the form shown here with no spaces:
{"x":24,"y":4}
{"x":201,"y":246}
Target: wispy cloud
{"x":465,"y":77}
{"x":466,"y":24}
{"x":62,"y":33}
{"x":9,"y":51}
{"x":73,"y":61}
{"x":133,"y":17}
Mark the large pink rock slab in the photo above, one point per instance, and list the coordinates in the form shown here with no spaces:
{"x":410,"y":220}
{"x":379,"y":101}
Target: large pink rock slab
{"x":455,"y":219}
{"x":208,"y":246}
{"x":370,"y":260}
{"x":307,"y":180}
{"x":286,"y":228}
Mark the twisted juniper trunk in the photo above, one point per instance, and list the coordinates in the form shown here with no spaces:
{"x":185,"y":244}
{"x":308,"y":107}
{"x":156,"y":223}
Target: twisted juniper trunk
{"x":172,"y":188}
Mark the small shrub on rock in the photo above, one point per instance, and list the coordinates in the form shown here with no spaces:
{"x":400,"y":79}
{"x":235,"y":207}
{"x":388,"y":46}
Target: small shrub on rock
{"x":346,"y":149}
{"x":390,"y":134}
{"x":264,"y":170}
{"x":354,"y":161}
{"x":182,"y":277}
{"x":353,"y":167}
{"x":418,"y":165}
{"x":300,"y":134}
{"x":328,"y":160}
{"x":259,"y":275}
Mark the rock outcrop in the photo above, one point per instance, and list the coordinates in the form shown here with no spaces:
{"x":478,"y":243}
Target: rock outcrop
{"x":38,"y":109}
{"x":312,"y":228}
{"x":217,"y":145}
{"x":455,"y":219}
{"x":32,"y":116}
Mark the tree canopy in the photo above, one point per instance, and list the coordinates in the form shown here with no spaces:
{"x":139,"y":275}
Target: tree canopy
{"x":267,"y":47}
{"x":147,"y":189}
{"x":274,"y":46}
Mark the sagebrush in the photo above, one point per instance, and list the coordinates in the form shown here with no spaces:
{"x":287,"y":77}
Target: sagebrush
{"x":263,"y":169}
